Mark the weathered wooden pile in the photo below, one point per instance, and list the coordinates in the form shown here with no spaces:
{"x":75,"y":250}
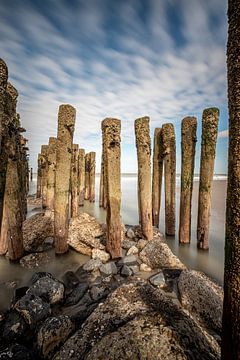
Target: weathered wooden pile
{"x":14,"y":172}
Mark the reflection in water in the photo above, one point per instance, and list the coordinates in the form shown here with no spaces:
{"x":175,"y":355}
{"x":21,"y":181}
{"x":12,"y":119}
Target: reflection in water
{"x":210,"y":262}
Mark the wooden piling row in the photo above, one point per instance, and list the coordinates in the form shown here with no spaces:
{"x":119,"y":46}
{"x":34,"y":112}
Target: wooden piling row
{"x":87,"y":176}
{"x":92,"y":171}
{"x":51,"y":169}
{"x":157,"y":176}
{"x":74,"y":181}
{"x":81,"y":176}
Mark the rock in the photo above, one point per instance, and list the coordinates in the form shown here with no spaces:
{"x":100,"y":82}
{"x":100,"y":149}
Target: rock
{"x":16,"y":352}
{"x":127,"y":244}
{"x":83,"y":234}
{"x":134,"y":268}
{"x":132,"y":251}
{"x":70,"y":279}
{"x":137,"y":321}
{"x":100,"y":254}
{"x":158,"y":280}
{"x":202,"y":298}
{"x":145,"y":267}
{"x":19,"y":293}
{"x":98,"y":293}
{"x":51,"y":290}
{"x":126,"y":271}
{"x":157,"y":254}
{"x":33,"y":261}
{"x":93,"y":264}
{"x":108,"y":269}
{"x":36,"y":230}
{"x":77,"y":294}
{"x":38,"y":275}
{"x":141,"y":244}
{"x":32,"y":308}
{"x":52,"y":334}
{"x":130,"y":233}
{"x":128,"y":260}
{"x":14,"y":327}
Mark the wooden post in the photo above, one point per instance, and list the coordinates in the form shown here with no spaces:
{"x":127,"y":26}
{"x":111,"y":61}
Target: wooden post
{"x":51,"y":169}
{"x":81,"y":176}
{"x":189,"y":139}
{"x":111,"y":130}
{"x":157,"y":175}
{"x":169,"y":152}
{"x":3,"y":133}
{"x":31,"y":174}
{"x":208,"y":147}
{"x":39,"y":177}
{"x":92,"y":171}
{"x":231,"y":304}
{"x":74,"y":181}
{"x":44,"y":152}
{"x":66,"y":123}
{"x":101,"y":187}
{"x":143,"y":144}
{"x":104,"y":179}
{"x":87,"y":176}
{"x":11,"y":231}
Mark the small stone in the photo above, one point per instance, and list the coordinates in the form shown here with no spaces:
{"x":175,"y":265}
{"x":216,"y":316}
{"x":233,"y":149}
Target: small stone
{"x":100,"y":254}
{"x":98,"y":293}
{"x":132,"y":251}
{"x":14,"y":326}
{"x":16,"y":351}
{"x":134,"y":268}
{"x":32,"y":308}
{"x":126,"y":271}
{"x":70,"y":279}
{"x":33,"y":261}
{"x":38,"y":275}
{"x":108,"y":269}
{"x":145,"y":267}
{"x":52,"y":334}
{"x":127,"y":244}
{"x":128,"y":260}
{"x":93,"y":264}
{"x":157,"y":280}
{"x":130,"y":233}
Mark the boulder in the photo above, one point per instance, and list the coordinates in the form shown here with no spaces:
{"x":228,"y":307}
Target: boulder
{"x":108,"y":269}
{"x":137,"y":321}
{"x":100,"y":254}
{"x":84,"y":231}
{"x":36,"y":230}
{"x":126,"y":271}
{"x":92,"y":265}
{"x":130,"y":233}
{"x":157,"y":254}
{"x":14,"y":326}
{"x":202,"y":298}
{"x":53,"y":333}
{"x":49,"y":289}
{"x":32,"y":308}
{"x":77,"y":294}
{"x":33,"y":261}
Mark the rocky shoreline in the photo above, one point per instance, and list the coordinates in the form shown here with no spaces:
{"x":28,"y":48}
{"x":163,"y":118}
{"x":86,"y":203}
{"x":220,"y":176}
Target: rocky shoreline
{"x":146,"y":305}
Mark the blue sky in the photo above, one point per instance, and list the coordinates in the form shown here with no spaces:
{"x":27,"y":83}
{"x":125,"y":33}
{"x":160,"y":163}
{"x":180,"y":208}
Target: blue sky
{"x":116,"y":58}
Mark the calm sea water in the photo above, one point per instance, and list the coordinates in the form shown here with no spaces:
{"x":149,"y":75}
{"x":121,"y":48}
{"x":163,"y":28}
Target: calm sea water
{"x":210,"y":262}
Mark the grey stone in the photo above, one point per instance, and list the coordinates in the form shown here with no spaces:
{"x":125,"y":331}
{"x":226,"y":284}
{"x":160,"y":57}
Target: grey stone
{"x":108,"y":269}
{"x":134,"y":268}
{"x":127,"y":244}
{"x":93,"y":264}
{"x":70,"y":279}
{"x":130,"y":233}
{"x":158,"y":280}
{"x":16,"y":352}
{"x":128,"y":260}
{"x":14,"y":327}
{"x":126,"y":271}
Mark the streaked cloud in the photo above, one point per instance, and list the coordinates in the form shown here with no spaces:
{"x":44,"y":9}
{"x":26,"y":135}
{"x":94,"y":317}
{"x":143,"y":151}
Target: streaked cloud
{"x":123,"y":59}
